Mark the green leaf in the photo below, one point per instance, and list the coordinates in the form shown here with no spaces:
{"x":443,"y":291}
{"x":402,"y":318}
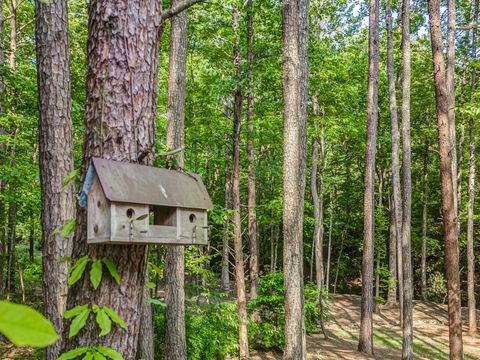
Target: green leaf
{"x":109,"y":352}
{"x":76,"y":271}
{"x":156,"y":269}
{"x":115,"y":317}
{"x":98,"y":356}
{"x":96,"y":273}
{"x":68,"y":314}
{"x":24,"y":326}
{"x":150,"y":285}
{"x":74,"y":353}
{"x":68,"y":228}
{"x":89,"y":356}
{"x":95,"y":308}
{"x":79,"y":322}
{"x":72,"y":175}
{"x":103,"y":321}
{"x":156,"y":302}
{"x":112,"y":269}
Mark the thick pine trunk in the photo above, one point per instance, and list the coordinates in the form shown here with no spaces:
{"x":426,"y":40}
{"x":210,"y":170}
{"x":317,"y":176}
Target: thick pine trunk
{"x":472,"y":318}
{"x":237,"y":225}
{"x":56,"y":155}
{"x":175,"y":341}
{"x":121,"y":105}
{"x":447,"y":186}
{"x":407,"y":321}
{"x":365,"y":343}
{"x":252,"y":217}
{"x":424,"y":225}
{"x":295,"y":89}
{"x":396,"y":186}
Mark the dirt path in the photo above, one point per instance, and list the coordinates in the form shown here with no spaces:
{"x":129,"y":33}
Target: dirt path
{"x":430,"y":333}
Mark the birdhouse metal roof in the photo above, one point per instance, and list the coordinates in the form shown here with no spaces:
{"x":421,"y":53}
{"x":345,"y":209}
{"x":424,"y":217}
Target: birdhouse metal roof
{"x":140,"y":184}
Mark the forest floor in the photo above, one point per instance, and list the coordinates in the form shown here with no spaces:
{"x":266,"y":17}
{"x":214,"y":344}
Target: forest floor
{"x":430,"y":333}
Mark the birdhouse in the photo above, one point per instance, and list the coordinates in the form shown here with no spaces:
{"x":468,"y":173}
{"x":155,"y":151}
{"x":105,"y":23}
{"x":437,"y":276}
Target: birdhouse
{"x":136,"y":204}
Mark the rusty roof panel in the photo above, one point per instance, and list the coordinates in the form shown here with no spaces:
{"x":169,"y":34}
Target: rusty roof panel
{"x":140,"y":184}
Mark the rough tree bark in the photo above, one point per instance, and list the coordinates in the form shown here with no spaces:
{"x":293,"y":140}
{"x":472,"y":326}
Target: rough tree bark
{"x":396,"y":185}
{"x":472,"y":318}
{"x":318,"y":155}
{"x":392,"y":256}
{"x":450,"y":84}
{"x":295,"y":88}
{"x":448,"y":190}
{"x":252,"y":217}
{"x":407,"y":321}
{"x":424,"y":224}
{"x":121,"y":102}
{"x":365,"y":343}
{"x":175,"y":341}
{"x":237,"y":231}
{"x":56,"y":155}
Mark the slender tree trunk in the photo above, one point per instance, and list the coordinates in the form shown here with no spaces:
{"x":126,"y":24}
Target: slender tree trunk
{"x":392,"y":256}
{"x":447,"y":186}
{"x":56,"y":155}
{"x":450,"y":85}
{"x":329,"y":248}
{"x":237,"y":231}
{"x":295,"y":87}
{"x":252,"y":217}
{"x":12,"y":22}
{"x":12,"y":226}
{"x":424,"y":224}
{"x":175,"y":341}
{"x":407,"y":323}
{"x":31,"y":237}
{"x":225,"y":279}
{"x":472,"y":317}
{"x":365,"y":343}
{"x":317,"y":197}
{"x":121,"y":103}
{"x":396,"y":186}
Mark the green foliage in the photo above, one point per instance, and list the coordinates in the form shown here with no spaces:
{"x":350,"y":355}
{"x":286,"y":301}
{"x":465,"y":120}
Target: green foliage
{"x":269,"y":306}
{"x":77,"y":270}
{"x":104,"y":317}
{"x":80,"y":315}
{"x":112,"y":269}
{"x":91,"y":353}
{"x":96,"y":273}
{"x":24,"y":326}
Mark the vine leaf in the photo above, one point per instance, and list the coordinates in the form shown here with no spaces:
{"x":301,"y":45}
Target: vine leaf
{"x":114,"y":317}
{"x":76,"y":271}
{"x":68,"y":228}
{"x":109,"y":352}
{"x":103,"y":321}
{"x":79,"y":322}
{"x":112,"y":269}
{"x":89,"y":356}
{"x":71,"y":175}
{"x":74,"y":353}
{"x":68,"y":314}
{"x":98,"y":356}
{"x":96,"y":273}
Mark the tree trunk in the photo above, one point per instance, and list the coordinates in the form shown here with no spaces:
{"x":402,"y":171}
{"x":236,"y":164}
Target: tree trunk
{"x":450,"y":85}
{"x":396,"y":186}
{"x":121,"y":103}
{"x":424,"y":224}
{"x":392,"y":256}
{"x":12,"y":21}
{"x":407,"y":323}
{"x":448,"y":190}
{"x":472,"y":318}
{"x":365,"y":343}
{"x":252,"y":217}
{"x":225,"y":279}
{"x":329,"y":248}
{"x":31,"y":237}
{"x":295,"y":87}
{"x":237,"y":231}
{"x":175,"y":341}
{"x":56,"y":156}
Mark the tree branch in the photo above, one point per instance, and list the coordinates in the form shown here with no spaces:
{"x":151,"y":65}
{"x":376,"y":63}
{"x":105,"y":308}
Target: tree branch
{"x":178,"y":8}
